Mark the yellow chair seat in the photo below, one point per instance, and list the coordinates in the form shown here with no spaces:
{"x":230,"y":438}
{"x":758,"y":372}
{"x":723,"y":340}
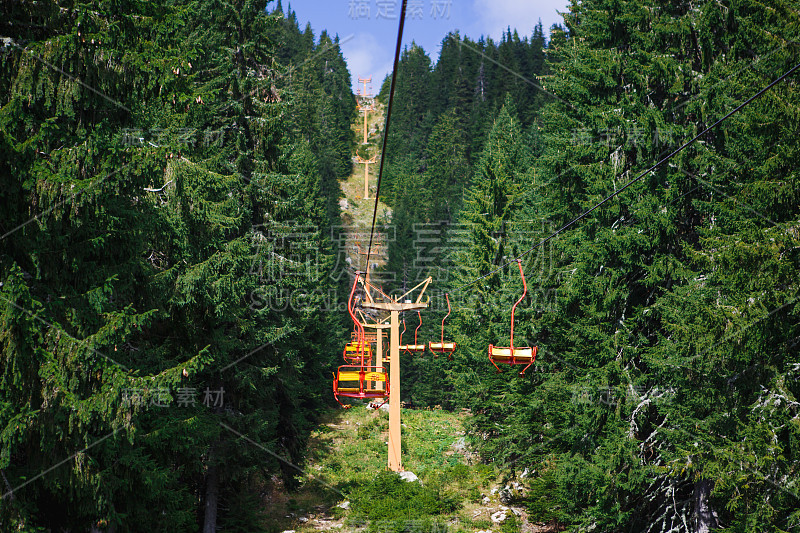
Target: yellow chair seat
{"x":504,"y":353}
{"x":442,"y":346}
{"x":360,"y":382}
{"x":354,"y":392}
{"x":368,"y":376}
{"x":353,"y":348}
{"x":355,"y":352}
{"x":413,"y":347}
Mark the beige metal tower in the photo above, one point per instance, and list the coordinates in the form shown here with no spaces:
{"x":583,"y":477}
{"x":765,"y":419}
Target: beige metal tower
{"x":365,"y":105}
{"x":395,"y":306}
{"x":367,"y":163}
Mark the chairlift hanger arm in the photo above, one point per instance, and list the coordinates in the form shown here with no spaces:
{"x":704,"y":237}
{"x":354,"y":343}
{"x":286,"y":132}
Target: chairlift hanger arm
{"x":359,"y":327}
{"x":445,"y":316}
{"x":524,"y":292}
{"x":361,"y":344}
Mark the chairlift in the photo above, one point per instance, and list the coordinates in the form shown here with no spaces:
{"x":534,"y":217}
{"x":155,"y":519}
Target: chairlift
{"x":356,"y":351}
{"x":414,"y":348}
{"x":360,"y":382}
{"x":509,"y":354}
{"x":443,"y":347}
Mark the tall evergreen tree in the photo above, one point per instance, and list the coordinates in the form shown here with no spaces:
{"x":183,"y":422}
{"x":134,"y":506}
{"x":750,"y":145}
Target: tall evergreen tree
{"x":674,"y":320}
{"x":164,"y":263}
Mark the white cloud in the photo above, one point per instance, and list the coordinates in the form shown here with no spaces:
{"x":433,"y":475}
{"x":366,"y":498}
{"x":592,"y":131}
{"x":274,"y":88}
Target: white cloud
{"x":495,"y":16}
{"x":365,"y":57}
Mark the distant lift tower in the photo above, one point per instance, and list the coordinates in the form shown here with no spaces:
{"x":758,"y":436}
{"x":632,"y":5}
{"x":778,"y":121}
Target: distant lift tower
{"x":366,"y":162}
{"x":365,"y":105}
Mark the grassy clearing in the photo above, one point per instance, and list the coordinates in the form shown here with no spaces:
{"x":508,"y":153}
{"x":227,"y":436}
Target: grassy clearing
{"x":358,"y":437}
{"x":347,"y":459}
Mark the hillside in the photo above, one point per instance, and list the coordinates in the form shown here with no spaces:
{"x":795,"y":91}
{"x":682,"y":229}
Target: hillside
{"x":613,"y":202}
{"x":357,"y":212}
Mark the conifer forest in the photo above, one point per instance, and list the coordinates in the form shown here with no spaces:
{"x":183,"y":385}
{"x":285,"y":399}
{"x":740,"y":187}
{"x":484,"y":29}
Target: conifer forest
{"x":186,"y":247}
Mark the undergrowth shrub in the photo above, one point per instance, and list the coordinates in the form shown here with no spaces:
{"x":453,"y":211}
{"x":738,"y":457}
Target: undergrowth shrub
{"x":392,"y":504}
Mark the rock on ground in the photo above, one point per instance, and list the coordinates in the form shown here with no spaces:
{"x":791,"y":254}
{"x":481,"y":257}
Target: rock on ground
{"x":408,"y":476}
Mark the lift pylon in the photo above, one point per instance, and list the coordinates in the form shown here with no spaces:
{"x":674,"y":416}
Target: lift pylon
{"x":366,"y":107}
{"x":367,"y":163}
{"x":395,"y":306}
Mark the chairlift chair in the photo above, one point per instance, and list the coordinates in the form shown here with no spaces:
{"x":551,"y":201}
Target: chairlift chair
{"x":360,"y":382}
{"x":414,"y":348}
{"x":356,"y":351}
{"x":443,"y":347}
{"x":509,"y":354}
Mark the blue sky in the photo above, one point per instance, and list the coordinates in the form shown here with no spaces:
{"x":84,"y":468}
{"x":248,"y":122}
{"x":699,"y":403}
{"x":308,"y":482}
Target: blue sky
{"x":368,"y":28}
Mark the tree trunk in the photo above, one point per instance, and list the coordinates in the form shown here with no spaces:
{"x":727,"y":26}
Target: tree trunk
{"x":212,"y":496}
{"x":705,"y":517}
